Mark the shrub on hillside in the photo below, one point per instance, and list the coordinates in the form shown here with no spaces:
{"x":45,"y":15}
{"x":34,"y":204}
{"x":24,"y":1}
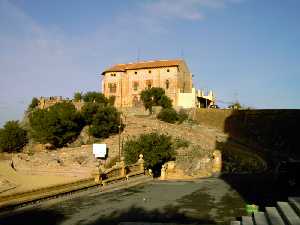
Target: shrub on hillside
{"x":34,"y":103}
{"x":182,"y":116}
{"x":106,"y":121}
{"x":12,"y":137}
{"x":94,"y":96}
{"x":180,"y":143}
{"x":238,"y":161}
{"x":88,"y":112}
{"x":165,"y":102}
{"x":156,"y":149}
{"x":57,"y":125}
{"x":168,"y":115}
{"x":155,"y":97}
{"x":77,"y":96}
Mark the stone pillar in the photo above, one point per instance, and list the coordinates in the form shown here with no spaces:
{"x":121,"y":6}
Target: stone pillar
{"x":217,"y":162}
{"x":163,"y":172}
{"x":141,"y":162}
{"x":97,"y":173}
{"x":122,"y":167}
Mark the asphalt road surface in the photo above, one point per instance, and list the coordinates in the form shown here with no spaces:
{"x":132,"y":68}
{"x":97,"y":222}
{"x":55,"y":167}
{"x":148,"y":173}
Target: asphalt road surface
{"x":206,"y":201}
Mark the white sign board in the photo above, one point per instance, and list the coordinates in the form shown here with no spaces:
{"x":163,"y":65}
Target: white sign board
{"x":99,"y":150}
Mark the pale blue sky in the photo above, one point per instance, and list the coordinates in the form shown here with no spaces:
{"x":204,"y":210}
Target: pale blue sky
{"x":242,"y":49}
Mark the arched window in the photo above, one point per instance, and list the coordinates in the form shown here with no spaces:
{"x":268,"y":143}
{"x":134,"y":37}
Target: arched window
{"x":167,"y":84}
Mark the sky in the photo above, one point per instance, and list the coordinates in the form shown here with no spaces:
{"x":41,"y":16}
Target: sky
{"x":245,"y":50}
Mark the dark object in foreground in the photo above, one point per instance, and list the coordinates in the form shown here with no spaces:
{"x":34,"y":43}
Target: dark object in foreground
{"x":287,"y":173}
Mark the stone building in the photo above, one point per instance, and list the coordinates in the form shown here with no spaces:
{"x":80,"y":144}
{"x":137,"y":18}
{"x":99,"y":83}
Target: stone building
{"x":126,"y":81}
{"x":45,"y":102}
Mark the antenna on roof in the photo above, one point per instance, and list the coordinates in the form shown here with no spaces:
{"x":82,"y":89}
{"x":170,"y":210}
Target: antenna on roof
{"x":181,"y":53}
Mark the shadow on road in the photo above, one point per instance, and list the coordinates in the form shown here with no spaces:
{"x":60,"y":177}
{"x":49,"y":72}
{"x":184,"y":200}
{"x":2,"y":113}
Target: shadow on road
{"x":33,"y":217}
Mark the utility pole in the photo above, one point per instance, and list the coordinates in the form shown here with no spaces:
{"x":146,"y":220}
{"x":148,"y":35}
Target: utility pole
{"x":138,"y":55}
{"x":120,"y":119}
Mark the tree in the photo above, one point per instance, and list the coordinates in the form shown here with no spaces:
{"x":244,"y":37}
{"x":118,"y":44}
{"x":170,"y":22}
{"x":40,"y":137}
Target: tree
{"x":34,"y":103}
{"x":57,"y":125}
{"x":155,"y":97}
{"x":156,"y":149}
{"x":106,"y":121}
{"x":95,"y":97}
{"x":88,"y":112}
{"x":77,"y":96}
{"x":165,"y":102}
{"x":12,"y":137}
{"x":235,"y":105}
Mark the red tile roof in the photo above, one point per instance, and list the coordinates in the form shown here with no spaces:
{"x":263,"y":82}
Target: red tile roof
{"x":143,"y":65}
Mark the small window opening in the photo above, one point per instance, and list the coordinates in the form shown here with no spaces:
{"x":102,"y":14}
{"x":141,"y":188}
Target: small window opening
{"x":135,"y":86}
{"x":167,"y":84}
{"x":168,"y":70}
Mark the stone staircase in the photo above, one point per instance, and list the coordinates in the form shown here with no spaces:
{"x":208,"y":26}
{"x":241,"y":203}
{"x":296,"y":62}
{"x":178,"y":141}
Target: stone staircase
{"x":286,"y":213}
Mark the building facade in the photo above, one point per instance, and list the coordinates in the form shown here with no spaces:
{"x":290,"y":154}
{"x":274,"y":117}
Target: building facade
{"x":126,"y":81}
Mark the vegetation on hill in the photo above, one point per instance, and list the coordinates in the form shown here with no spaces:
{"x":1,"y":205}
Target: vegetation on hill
{"x":61,"y":123}
{"x":77,"y":96}
{"x":95,"y":97}
{"x":57,"y":125}
{"x":12,"y":137}
{"x":88,"y":112}
{"x":155,"y":97}
{"x":105,"y":121}
{"x":34,"y":103}
{"x":170,"y":115}
{"x":156,"y":149}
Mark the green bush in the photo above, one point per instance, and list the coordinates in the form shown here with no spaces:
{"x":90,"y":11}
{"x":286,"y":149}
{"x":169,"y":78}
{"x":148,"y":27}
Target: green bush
{"x":34,"y":103}
{"x":106,"y":121}
{"x":88,"y":111}
{"x":180,"y":143}
{"x":235,"y":161}
{"x":155,"y":97}
{"x":165,"y":102}
{"x":168,"y":115}
{"x":95,"y":97}
{"x":182,"y":116}
{"x":58,"y":125}
{"x":156,"y":149}
{"x":77,"y":96}
{"x":12,"y":137}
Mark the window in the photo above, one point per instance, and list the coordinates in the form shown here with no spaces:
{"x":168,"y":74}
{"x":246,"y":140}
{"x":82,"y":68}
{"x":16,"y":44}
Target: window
{"x":135,"y":72}
{"x":167,"y":84}
{"x":135,"y":85}
{"x":149,"y":71}
{"x":112,"y":87}
{"x":168,"y":70}
{"x":113,"y":74}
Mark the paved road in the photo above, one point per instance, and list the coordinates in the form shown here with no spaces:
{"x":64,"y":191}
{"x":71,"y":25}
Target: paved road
{"x":207,"y":201}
